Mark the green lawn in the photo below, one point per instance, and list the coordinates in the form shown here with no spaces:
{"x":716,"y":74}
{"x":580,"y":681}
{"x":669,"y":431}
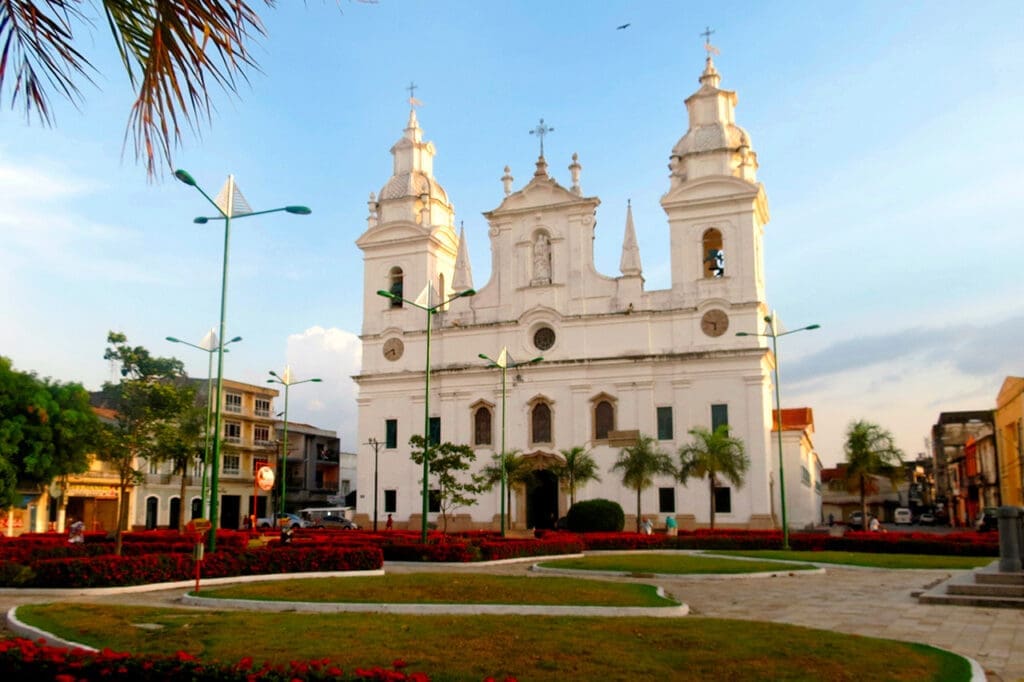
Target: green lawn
{"x":868,"y":559}
{"x":646,"y":563}
{"x":447,"y":588}
{"x":527,"y":647}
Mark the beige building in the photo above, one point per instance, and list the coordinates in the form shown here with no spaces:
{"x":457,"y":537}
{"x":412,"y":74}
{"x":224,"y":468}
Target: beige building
{"x":249,"y":441}
{"x":1009,"y":419}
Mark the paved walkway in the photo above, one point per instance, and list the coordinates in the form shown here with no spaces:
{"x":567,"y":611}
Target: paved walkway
{"x":876,"y":603}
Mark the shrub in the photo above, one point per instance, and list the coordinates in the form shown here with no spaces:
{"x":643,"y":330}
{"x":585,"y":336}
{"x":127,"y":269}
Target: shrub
{"x":594,"y":516}
{"x":15,"y":575}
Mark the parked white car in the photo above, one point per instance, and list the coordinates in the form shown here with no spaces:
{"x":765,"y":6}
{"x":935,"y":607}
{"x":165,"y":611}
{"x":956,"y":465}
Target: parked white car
{"x":902,"y":516}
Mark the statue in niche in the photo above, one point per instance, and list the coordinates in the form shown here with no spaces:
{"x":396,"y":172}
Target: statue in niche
{"x":542,"y":259}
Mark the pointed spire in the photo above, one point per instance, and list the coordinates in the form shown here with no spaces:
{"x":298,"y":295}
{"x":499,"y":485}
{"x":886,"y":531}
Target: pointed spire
{"x":462,"y":278}
{"x":413,"y":132}
{"x":629,"y":264}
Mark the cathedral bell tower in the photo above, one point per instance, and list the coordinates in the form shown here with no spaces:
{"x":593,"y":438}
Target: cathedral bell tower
{"x":716,"y":209}
{"x":409,"y":246}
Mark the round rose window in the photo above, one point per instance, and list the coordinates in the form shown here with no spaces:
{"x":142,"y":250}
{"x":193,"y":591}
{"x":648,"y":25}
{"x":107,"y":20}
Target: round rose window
{"x":544,"y":338}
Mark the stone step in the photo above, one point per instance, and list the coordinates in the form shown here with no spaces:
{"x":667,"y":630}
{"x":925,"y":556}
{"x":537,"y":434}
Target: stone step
{"x":971,"y":600}
{"x":987,"y":590}
{"x":993,"y":578}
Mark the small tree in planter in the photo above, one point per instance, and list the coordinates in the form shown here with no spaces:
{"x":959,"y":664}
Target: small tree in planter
{"x":446,"y":460}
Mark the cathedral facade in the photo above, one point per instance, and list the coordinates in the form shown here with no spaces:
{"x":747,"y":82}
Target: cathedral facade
{"x":619,"y":361}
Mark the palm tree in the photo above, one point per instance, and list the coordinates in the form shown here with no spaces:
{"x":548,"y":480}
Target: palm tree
{"x":171,"y":52}
{"x":578,"y":469}
{"x":870,"y":453}
{"x":713,"y":454}
{"x":639,"y":464}
{"x":517,"y":473}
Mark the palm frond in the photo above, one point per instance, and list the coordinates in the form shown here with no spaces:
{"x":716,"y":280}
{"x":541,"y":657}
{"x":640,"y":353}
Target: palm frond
{"x":36,"y":51}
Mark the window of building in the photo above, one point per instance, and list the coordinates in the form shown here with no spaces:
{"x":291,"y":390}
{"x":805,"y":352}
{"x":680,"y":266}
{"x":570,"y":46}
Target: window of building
{"x":261,"y":434}
{"x":233,"y":402}
{"x":346,"y":487}
{"x":434,"y":501}
{"x":714,"y":255}
{"x":540,"y":423}
{"x":544,"y":338}
{"x":232,"y":464}
{"x":805,"y":476}
{"x":604,"y":419}
{"x":723,"y":500}
{"x":390,"y":501}
{"x":232,"y":432}
{"x":396,"y":286}
{"x":665,"y":423}
{"x":719,"y":416}
{"x":482,"y":422}
{"x":154,"y":466}
{"x":262,"y":407}
{"x":667,"y":500}
{"x":435,"y":430}
{"x":391,"y":433}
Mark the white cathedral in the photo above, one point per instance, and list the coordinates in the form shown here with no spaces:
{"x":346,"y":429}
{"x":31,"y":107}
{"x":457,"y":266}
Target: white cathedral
{"x":618,"y":361}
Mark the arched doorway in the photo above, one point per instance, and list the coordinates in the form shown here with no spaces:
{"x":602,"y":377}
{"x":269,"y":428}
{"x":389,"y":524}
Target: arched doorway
{"x":542,"y":499}
{"x":175,"y":514}
{"x":151,"y":510}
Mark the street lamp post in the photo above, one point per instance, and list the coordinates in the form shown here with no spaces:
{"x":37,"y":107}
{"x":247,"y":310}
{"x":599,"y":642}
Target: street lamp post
{"x":772,"y":333}
{"x":505,"y":363}
{"x":208,"y":344}
{"x":430,"y":310}
{"x":373,"y":442}
{"x":227,"y":212}
{"x":286,"y":381}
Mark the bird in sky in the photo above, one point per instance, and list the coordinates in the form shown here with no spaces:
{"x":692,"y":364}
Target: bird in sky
{"x":619,"y":28}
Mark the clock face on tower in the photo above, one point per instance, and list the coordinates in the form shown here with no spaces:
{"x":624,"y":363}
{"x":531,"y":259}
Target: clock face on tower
{"x":714,"y":323}
{"x":393,"y":349}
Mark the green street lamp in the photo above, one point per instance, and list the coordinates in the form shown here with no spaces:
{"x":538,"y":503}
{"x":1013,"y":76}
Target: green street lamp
{"x":225,"y":205}
{"x":286,"y":381}
{"x":208,"y":344}
{"x":773,"y":334}
{"x":430,"y":310}
{"x":505,"y":363}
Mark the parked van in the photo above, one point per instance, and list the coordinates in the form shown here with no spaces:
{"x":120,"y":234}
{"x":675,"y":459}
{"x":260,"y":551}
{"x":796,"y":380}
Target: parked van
{"x":902,"y":516}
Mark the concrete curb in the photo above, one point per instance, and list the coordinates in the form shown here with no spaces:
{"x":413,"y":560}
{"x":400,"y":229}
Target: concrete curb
{"x":34,"y":633}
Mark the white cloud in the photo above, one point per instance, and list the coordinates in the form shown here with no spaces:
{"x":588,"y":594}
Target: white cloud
{"x":333,"y":355}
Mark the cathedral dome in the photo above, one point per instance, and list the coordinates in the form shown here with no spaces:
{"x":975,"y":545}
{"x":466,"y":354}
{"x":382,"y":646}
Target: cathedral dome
{"x":413,"y":184}
{"x":711,"y":137}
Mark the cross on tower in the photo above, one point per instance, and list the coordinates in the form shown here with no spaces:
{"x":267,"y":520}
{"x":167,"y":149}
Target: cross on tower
{"x":412,"y":94}
{"x":540,"y":131}
{"x":708,"y":47}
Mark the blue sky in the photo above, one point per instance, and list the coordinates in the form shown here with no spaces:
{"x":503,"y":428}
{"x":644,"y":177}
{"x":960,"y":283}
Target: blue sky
{"x":887,"y":135}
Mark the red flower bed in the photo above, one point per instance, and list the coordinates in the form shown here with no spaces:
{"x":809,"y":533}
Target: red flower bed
{"x":22,"y":659}
{"x":106,"y":571}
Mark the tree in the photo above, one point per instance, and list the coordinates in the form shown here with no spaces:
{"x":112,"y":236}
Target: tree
{"x":639,"y":464}
{"x":446,"y":460}
{"x":171,"y":52}
{"x":150,"y":402}
{"x":47,"y":430}
{"x":870,"y":452}
{"x":517,"y":474}
{"x":579,"y":468}
{"x":713,"y":454}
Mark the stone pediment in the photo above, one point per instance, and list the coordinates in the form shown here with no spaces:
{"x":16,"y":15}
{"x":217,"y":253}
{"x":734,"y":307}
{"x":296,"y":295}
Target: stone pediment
{"x":1011,"y":388}
{"x":541,"y":192}
{"x":390,"y":232}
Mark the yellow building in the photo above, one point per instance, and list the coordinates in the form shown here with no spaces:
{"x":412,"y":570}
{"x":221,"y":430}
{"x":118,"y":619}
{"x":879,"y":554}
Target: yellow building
{"x":1010,"y":438}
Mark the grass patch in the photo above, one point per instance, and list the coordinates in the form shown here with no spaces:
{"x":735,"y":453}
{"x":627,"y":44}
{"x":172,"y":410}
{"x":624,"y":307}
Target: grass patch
{"x":676,"y":564}
{"x":528,"y":647}
{"x":446,"y":588}
{"x":869,"y":559}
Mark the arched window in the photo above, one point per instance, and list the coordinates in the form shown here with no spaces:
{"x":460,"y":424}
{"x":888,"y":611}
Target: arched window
{"x":540,"y":423}
{"x":604,"y":419}
{"x":197,"y":508}
{"x":714,"y":255}
{"x":482,"y":421}
{"x":396,"y":286}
